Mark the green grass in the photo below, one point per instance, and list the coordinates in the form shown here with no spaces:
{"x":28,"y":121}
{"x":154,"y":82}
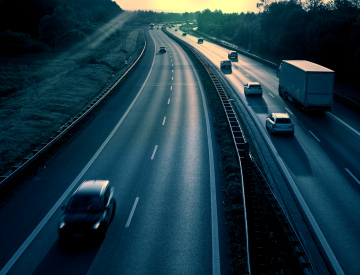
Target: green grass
{"x":41,"y":92}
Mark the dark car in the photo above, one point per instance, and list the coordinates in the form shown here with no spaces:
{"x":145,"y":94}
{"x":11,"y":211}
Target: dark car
{"x":162,"y":50}
{"x":233,"y":55}
{"x":226,"y":64}
{"x":89,"y":211}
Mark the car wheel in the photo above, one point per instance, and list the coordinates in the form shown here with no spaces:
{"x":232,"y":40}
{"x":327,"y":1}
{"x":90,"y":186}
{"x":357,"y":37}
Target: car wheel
{"x":270,"y":130}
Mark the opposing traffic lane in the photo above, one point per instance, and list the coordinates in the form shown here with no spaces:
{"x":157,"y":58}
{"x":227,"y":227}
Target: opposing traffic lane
{"x":156,"y":154}
{"x":322,"y":158}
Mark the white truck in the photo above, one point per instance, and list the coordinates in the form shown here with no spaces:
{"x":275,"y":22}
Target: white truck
{"x":308,"y":85}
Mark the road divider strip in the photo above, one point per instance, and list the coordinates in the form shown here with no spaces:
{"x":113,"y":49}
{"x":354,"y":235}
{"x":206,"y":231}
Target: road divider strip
{"x":132,"y":213}
{"x":344,"y":123}
{"x":314,"y":136}
{"x":154,"y":152}
{"x":352,"y":175}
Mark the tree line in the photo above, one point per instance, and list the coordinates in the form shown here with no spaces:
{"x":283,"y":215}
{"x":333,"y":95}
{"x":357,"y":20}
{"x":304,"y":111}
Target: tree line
{"x":44,"y":25}
{"x":324,"y":33}
{"x":147,"y":17}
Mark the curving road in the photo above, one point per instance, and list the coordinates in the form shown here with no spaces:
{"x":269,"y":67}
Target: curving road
{"x":153,"y":141}
{"x":322,"y":158}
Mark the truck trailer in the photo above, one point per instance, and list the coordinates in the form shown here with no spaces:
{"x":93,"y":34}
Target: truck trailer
{"x":308,"y":85}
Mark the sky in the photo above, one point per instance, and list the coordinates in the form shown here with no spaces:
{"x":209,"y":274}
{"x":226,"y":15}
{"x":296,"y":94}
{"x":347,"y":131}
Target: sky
{"x":181,"y":6}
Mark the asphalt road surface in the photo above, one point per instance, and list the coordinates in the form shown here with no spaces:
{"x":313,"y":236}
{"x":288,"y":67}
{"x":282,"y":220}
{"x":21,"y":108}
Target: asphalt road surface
{"x":153,"y":142}
{"x":322,"y":157}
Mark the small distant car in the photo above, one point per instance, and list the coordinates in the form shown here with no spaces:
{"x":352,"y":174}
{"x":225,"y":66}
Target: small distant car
{"x":226,"y":64}
{"x":200,"y":40}
{"x":233,"y":55}
{"x":158,"y":28}
{"x":176,"y":30}
{"x":253,"y":88}
{"x":162,"y":49}
{"x":280,"y":123}
{"x":184,"y":34}
{"x":89,"y":211}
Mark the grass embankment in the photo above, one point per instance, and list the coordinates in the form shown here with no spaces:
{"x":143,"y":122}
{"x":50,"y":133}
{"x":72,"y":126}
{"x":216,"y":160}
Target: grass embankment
{"x":41,"y":92}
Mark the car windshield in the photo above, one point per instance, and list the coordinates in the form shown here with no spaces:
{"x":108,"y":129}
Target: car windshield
{"x":283,"y":120}
{"x":84,"y":204}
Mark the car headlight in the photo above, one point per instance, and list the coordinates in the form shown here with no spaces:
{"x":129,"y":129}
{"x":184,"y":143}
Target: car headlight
{"x":96,"y":225}
{"x":61,"y":225}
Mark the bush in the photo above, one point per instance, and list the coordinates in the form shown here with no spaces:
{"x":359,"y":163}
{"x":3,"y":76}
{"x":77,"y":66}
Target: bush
{"x":17,"y":42}
{"x":70,"y":38}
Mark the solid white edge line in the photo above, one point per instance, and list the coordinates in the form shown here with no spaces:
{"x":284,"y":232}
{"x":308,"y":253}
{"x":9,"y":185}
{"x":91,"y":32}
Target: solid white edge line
{"x":132,"y":213}
{"x":289,"y":111}
{"x":214,"y":216}
{"x":344,"y":123}
{"x":37,"y":229}
{"x":154,"y":152}
{"x":314,"y":136}
{"x":352,"y":175}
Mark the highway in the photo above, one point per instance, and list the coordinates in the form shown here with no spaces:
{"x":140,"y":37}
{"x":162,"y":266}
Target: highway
{"x":153,"y":142}
{"x":322,"y":158}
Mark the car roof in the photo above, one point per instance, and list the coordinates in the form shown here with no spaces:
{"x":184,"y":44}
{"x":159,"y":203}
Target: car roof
{"x":92,"y":187}
{"x":253,"y":83}
{"x":281,"y":115}
{"x":226,"y":60}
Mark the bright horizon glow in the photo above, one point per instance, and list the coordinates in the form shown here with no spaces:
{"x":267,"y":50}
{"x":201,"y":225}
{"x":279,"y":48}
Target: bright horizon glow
{"x":226,"y":6}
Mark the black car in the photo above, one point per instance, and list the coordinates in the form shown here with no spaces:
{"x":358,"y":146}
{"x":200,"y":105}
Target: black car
{"x":89,"y":211}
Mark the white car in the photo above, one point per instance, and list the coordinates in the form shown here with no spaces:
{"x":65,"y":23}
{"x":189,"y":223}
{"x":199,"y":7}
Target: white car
{"x":226,"y":64}
{"x":279,"y":123}
{"x":253,"y":88}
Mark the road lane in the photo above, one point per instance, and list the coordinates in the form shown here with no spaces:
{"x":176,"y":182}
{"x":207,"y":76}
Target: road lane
{"x":163,"y":223}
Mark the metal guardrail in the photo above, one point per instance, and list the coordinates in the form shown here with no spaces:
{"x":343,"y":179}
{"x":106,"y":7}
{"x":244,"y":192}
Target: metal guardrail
{"x":249,"y":169}
{"x":240,"y":50}
{"x":41,"y":149}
